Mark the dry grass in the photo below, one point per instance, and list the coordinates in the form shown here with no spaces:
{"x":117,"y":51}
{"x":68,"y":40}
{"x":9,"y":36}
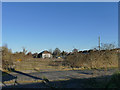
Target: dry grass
{"x":31,"y":81}
{"x":98,"y":59}
{"x":78,"y":61}
{"x":39,"y":64}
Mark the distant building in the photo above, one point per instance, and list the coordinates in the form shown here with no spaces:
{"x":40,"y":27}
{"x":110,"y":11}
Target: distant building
{"x":45,"y":54}
{"x":117,"y":49}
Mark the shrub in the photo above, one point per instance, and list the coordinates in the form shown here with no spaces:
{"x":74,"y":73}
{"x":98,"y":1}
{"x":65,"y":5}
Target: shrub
{"x":93,"y":59}
{"x":7,"y":61}
{"x":114,"y":82}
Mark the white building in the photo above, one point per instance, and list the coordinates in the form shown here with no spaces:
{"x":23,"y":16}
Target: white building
{"x":46,"y":54}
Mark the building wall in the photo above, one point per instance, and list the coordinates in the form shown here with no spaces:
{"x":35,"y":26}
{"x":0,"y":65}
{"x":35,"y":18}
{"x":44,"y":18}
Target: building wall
{"x":46,"y":55}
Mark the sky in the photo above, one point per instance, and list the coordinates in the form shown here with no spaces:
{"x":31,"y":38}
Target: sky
{"x":65,"y":25}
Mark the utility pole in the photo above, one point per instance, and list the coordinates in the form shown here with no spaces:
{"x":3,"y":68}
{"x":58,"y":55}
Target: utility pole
{"x":119,"y":35}
{"x":99,"y":42}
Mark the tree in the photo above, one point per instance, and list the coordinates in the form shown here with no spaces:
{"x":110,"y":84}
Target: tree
{"x":107,"y":46}
{"x":75,"y":50}
{"x":6,"y":53}
{"x":24,"y":50}
{"x":50,"y":50}
{"x":29,"y":54}
{"x":35,"y":55}
{"x":7,"y":60}
{"x":63,"y":53}
{"x":56,"y":52}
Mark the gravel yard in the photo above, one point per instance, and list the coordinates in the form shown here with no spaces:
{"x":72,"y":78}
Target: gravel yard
{"x":54,"y":76}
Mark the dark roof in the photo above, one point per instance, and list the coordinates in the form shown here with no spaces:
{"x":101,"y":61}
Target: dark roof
{"x":46,"y":52}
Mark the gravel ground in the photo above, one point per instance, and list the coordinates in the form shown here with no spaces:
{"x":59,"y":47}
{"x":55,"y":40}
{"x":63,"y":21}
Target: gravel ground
{"x":53,"y":76}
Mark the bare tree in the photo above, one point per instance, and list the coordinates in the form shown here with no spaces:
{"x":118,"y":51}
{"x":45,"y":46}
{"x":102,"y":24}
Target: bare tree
{"x":56,"y":52}
{"x":75,"y":50}
{"x":107,"y":46}
{"x":29,"y":54}
{"x":50,"y":50}
{"x":24,"y":50}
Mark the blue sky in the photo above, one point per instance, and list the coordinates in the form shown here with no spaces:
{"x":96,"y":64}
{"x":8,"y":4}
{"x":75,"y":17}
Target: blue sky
{"x":43,"y":26}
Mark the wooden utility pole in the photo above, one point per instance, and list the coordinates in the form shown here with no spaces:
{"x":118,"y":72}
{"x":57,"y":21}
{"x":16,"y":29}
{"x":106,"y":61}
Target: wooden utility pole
{"x":99,"y":42}
{"x":119,"y":35}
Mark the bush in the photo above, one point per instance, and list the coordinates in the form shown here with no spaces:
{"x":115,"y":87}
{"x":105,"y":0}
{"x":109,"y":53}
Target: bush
{"x":114,"y":82}
{"x":93,"y":59}
{"x":7,"y":61}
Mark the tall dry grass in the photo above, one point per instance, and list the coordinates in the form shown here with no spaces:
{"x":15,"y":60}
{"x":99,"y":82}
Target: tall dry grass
{"x":94,"y":59}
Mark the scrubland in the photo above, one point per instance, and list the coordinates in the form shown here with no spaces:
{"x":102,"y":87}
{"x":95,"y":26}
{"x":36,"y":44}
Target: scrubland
{"x":90,"y":60}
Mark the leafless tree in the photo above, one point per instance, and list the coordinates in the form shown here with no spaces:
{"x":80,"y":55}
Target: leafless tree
{"x":56,"y":52}
{"x":24,"y":50}
{"x":107,"y":46}
{"x":75,"y":50}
